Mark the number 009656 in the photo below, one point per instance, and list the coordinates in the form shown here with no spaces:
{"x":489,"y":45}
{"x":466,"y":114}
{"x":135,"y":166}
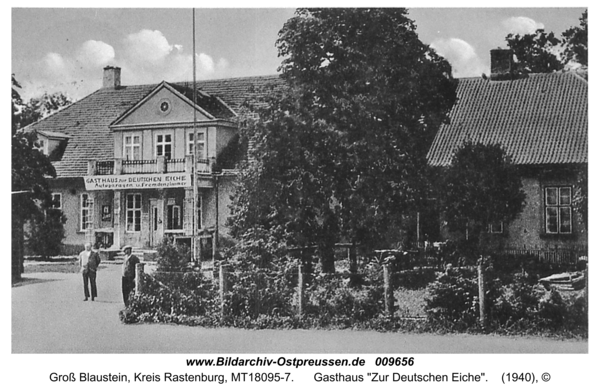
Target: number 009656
{"x":394,"y":361}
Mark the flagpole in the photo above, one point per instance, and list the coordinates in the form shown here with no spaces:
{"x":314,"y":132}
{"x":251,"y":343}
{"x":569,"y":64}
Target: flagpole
{"x":195,"y":222}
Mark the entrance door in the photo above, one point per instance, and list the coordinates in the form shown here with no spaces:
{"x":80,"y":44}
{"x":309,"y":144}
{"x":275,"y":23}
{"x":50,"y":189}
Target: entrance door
{"x":156,"y":222}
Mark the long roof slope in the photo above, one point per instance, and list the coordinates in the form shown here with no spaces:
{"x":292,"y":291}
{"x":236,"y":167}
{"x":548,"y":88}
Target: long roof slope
{"x":87,"y":121}
{"x":541,"y":119}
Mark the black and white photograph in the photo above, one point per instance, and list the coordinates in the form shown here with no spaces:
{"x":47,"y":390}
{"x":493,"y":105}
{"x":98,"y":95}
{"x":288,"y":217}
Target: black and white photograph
{"x":287,"y":197}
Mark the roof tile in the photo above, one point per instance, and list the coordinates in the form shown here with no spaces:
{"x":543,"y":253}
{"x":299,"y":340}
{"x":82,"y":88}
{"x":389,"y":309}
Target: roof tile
{"x":87,"y":121}
{"x":541,"y":119}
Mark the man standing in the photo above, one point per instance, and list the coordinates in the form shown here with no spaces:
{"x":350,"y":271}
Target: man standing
{"x":128,"y":279}
{"x":88,"y":262}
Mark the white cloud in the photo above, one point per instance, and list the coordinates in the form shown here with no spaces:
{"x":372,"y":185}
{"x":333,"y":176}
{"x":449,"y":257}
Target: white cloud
{"x":204,"y":64}
{"x":147,"y":46}
{"x":461,"y":55}
{"x":145,"y":57}
{"x":95,"y":54}
{"x":55,"y":64}
{"x":222,"y":64}
{"x":521,"y":25}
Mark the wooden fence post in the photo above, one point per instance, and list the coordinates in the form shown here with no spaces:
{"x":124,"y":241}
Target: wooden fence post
{"x":481,"y":284}
{"x":222,"y":286}
{"x":388,"y":290}
{"x":300,"y":289}
{"x":352,"y":258}
{"x":139,"y":270}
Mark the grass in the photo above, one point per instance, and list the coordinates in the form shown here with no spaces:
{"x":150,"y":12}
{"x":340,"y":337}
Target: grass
{"x":410,"y":303}
{"x":67,"y":268}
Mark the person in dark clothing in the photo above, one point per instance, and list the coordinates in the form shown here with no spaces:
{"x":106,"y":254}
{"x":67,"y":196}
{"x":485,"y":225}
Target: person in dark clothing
{"x":88,"y":262}
{"x":128,"y":275}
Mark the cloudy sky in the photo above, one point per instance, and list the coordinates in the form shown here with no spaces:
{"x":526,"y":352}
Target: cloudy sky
{"x":65,"y":49}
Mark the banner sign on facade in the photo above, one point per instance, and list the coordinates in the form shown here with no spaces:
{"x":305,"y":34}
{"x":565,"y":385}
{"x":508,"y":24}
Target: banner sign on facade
{"x":138,"y":181}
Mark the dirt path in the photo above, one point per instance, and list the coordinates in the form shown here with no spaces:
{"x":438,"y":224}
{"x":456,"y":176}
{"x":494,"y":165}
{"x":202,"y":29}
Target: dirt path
{"x":49,"y":316}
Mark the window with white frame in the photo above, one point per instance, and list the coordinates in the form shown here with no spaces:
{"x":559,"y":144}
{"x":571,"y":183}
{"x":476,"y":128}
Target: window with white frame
{"x":85,"y":212}
{"x":174,"y":217}
{"x":558,"y":210}
{"x":133,"y":212}
{"x":200,"y":143}
{"x":132,"y":148}
{"x":56,"y":203}
{"x":164,"y":145}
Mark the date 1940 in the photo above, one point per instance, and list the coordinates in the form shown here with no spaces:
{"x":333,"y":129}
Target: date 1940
{"x":524,"y":377}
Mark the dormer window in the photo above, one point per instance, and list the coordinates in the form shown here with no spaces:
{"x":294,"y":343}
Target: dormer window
{"x":51,"y":144}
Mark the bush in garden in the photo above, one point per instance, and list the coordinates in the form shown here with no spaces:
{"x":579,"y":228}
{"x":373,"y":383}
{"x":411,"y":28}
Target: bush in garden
{"x":171,"y":295}
{"x":451,"y":301}
{"x":332,"y":301}
{"x":46,"y":233}
{"x":268,"y":298}
{"x":523,"y":306}
{"x":552,"y":311}
{"x":576,"y":319}
{"x":516,"y":304}
{"x":254,"y":291}
{"x":171,"y":257}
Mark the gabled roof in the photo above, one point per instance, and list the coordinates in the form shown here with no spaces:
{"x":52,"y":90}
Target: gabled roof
{"x":87,"y":121}
{"x":541,"y":119}
{"x":236,"y":92}
{"x":209,"y":103}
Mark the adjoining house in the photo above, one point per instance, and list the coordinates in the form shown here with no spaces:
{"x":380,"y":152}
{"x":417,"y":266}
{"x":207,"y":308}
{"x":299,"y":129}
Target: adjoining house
{"x":541,"y":120}
{"x":124,"y":160}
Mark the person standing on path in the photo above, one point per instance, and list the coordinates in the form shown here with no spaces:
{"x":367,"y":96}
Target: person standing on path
{"x":128,"y":276}
{"x":88,"y":262}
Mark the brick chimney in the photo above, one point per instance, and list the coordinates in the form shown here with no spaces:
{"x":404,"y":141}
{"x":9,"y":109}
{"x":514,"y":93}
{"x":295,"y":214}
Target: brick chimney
{"x":112,"y":77}
{"x":502,"y":66}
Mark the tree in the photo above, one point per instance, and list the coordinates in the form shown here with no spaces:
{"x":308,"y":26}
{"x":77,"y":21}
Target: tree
{"x":575,"y":42}
{"x":42,"y":106}
{"x":480,"y":188}
{"x":30,"y":170}
{"x":535,"y":53}
{"x":341,"y":153}
{"x":542,"y":52}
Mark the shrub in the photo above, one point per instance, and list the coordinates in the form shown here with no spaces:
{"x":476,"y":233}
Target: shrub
{"x":515,"y":305}
{"x":254,"y":291}
{"x":46,"y":233}
{"x":576,"y":319}
{"x":450,"y":301}
{"x":172,"y":294}
{"x":552,"y":311}
{"x":171,"y":257}
{"x":268,"y":298}
{"x":332,"y":301}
